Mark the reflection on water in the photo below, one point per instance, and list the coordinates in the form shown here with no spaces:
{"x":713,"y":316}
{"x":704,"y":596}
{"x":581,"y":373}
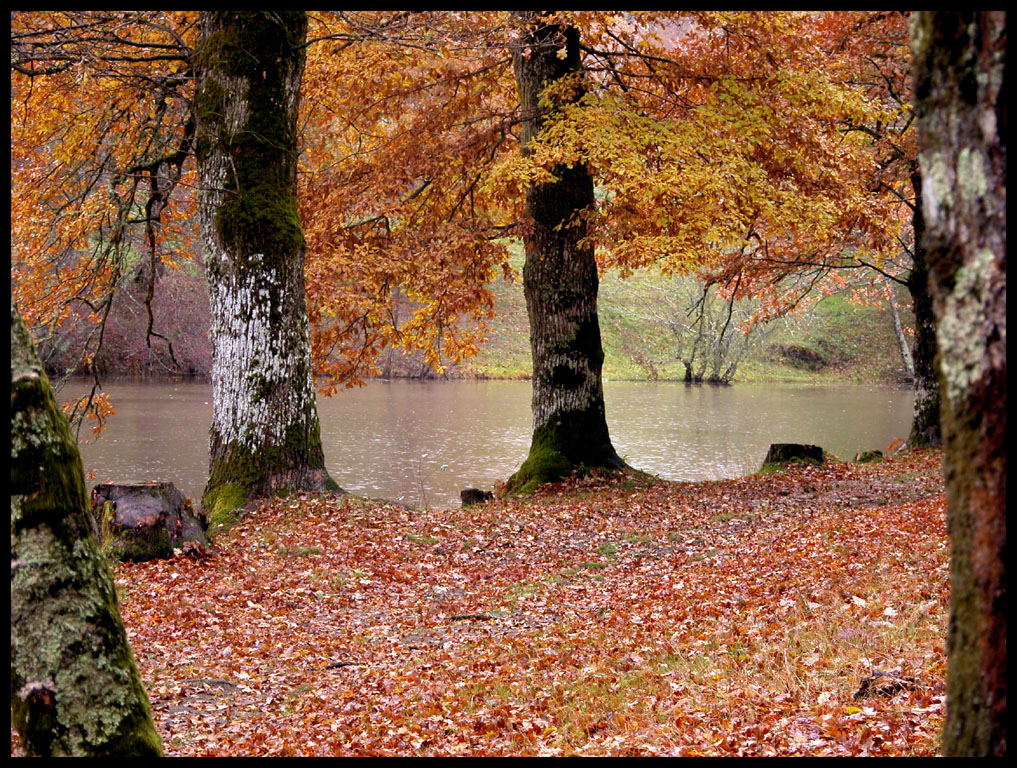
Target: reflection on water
{"x":422,"y":442}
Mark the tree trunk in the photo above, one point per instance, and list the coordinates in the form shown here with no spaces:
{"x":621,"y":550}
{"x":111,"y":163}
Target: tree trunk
{"x":560,"y":285}
{"x":265,"y":437}
{"x":902,"y":342}
{"x":925,"y":428}
{"x":75,"y":687}
{"x":960,"y":61}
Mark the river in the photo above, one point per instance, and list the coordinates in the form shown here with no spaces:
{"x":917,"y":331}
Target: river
{"x":420,"y":443}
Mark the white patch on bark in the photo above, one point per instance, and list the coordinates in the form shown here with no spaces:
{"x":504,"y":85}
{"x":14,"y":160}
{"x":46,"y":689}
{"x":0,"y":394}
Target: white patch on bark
{"x":937,"y":183}
{"x":550,"y":399}
{"x":962,"y":329}
{"x":254,"y":362}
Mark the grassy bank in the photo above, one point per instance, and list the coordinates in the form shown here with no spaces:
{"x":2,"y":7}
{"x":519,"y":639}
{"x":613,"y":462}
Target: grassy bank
{"x":625,"y":617}
{"x":837,"y":341}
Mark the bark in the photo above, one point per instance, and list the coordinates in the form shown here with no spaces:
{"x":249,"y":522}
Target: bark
{"x":75,"y":687}
{"x":265,"y":437}
{"x":560,"y":283}
{"x":960,"y":60}
{"x":925,"y":429}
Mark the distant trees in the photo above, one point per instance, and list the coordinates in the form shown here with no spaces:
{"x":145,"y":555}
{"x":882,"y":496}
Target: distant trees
{"x":265,"y":436}
{"x":75,"y":687}
{"x":959,"y":91}
{"x":708,"y":331}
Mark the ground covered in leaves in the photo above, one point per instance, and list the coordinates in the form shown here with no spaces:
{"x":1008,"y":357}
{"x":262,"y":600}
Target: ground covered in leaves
{"x":800,"y":612}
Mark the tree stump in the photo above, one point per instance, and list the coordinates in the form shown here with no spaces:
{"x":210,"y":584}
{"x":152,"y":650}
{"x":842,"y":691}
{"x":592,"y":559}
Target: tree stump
{"x":470,"y":496}
{"x":787,"y":453}
{"x":869,"y":457}
{"x":144,"y":521}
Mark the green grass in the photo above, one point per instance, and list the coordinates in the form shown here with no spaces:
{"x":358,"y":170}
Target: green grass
{"x":839,"y":341}
{"x":299,"y":551}
{"x":425,"y":539}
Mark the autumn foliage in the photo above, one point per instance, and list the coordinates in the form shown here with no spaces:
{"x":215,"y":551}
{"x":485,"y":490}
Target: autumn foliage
{"x":743,"y":146}
{"x":402,"y":238}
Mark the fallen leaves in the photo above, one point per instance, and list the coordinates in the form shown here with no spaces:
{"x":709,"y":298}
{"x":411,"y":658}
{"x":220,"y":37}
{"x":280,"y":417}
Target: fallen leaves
{"x":599,"y":618}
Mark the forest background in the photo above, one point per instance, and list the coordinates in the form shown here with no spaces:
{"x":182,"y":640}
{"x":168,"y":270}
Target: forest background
{"x":404,"y":321}
{"x":850,"y":335}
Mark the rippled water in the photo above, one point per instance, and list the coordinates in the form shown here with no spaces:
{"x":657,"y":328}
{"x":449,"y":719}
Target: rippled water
{"x":422,"y":442}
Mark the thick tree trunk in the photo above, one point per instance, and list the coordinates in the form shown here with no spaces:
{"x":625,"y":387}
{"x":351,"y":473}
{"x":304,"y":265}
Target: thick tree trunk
{"x":960,"y":62}
{"x":265,"y":437}
{"x":75,"y":687}
{"x":925,"y":428}
{"x":560,"y":285}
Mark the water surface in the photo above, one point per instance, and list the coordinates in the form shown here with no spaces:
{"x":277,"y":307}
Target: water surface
{"x":422,"y":442}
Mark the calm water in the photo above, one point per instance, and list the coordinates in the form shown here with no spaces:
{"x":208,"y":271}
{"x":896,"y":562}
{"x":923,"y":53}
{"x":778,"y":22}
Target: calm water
{"x":422,"y":442}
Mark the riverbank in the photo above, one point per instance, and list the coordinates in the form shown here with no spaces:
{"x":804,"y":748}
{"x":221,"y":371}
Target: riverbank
{"x":735,"y":617}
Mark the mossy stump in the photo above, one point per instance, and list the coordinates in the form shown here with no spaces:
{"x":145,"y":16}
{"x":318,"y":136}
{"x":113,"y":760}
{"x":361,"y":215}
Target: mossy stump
{"x":144,"y":521}
{"x":791,"y":453}
{"x":869,"y":457}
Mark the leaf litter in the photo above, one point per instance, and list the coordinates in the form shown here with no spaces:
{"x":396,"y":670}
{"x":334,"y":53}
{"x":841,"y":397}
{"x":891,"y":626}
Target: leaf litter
{"x":603,"y":616}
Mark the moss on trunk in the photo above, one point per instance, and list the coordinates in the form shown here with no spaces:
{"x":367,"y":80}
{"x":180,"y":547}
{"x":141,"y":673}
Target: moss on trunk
{"x":573,"y":441}
{"x":265,"y":437}
{"x":75,"y":687}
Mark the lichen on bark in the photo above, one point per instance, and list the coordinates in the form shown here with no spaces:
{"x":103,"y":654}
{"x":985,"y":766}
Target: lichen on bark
{"x":75,"y":687}
{"x":959,"y":71}
{"x":265,"y":437}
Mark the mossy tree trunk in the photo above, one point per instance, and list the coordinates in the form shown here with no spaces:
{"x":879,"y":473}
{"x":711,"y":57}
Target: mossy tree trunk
{"x":925,"y":428}
{"x":560,"y":282}
{"x":265,"y":436}
{"x":75,"y":687}
{"x":959,"y":70}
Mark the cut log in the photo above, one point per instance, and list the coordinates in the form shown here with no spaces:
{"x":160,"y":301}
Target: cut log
{"x":144,"y":521}
{"x":787,"y":453}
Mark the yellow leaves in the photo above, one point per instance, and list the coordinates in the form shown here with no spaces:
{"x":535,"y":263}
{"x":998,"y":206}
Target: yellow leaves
{"x":96,"y":407}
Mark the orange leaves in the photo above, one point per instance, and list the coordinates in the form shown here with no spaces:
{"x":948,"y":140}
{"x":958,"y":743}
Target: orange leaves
{"x":96,"y":407}
{"x":397,"y":218}
{"x":94,"y":97}
{"x":722,"y":622}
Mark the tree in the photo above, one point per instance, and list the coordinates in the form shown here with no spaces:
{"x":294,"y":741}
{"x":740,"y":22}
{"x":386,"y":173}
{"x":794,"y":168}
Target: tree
{"x":559,"y":276}
{"x":102,"y":122}
{"x":712,"y":138}
{"x":403,"y":238}
{"x":265,"y":436}
{"x":960,"y":66}
{"x":100,"y":134}
{"x":75,"y":687}
{"x":879,"y":42}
